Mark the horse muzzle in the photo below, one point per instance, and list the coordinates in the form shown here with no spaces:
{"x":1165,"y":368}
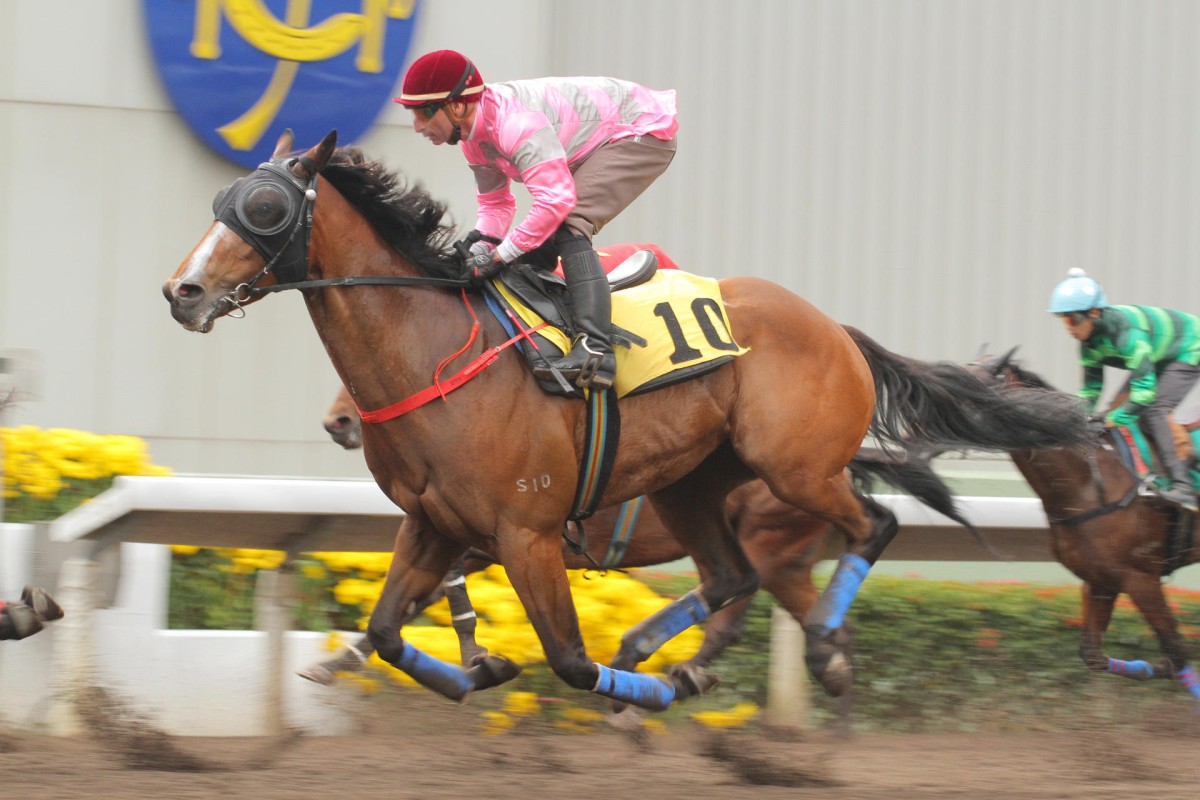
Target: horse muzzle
{"x":192,"y":306}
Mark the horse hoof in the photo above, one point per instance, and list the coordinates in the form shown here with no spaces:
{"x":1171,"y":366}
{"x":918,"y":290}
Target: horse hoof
{"x":317,"y":673}
{"x":475,"y":657}
{"x":493,"y":671}
{"x":833,"y":671}
{"x":691,"y":681}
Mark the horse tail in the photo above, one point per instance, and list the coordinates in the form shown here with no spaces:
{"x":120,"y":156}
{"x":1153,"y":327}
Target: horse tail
{"x":911,"y":472}
{"x":942,"y":404}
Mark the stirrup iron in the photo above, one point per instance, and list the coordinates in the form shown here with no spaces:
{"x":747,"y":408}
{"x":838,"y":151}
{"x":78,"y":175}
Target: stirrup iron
{"x":591,"y":363}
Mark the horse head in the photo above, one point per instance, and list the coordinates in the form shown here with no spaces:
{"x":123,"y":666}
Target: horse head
{"x":999,"y":368}
{"x":258,"y":238}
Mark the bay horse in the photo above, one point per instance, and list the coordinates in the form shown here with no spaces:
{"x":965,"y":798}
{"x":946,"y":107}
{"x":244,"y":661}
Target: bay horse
{"x":782,"y":543}
{"x":384,"y":289}
{"x":1113,"y":537}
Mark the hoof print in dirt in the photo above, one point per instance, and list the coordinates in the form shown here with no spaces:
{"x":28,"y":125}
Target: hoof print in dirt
{"x":760,"y":762}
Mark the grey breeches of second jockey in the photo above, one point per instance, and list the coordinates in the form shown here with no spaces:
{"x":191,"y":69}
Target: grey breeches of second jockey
{"x":1175,"y":380}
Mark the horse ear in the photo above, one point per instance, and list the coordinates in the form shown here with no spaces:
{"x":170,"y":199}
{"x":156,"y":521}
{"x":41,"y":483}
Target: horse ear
{"x":1006,"y":359}
{"x":287,"y":140}
{"x":315,"y":159}
{"x":981,"y":352}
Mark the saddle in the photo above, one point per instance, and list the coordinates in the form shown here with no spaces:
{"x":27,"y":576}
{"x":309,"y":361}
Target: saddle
{"x":655,"y":344}
{"x":545,"y":293}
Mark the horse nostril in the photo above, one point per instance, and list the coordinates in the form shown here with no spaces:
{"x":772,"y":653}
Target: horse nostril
{"x":184,"y":293}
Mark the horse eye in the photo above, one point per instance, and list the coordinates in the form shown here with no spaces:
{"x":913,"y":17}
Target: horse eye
{"x":265,"y":208}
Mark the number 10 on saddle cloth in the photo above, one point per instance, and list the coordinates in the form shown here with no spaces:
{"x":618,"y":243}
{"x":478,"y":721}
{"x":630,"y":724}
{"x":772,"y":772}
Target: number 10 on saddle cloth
{"x":679,"y":317}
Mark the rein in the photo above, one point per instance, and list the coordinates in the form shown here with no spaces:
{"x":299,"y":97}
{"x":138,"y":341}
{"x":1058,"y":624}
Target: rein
{"x":351,"y":280}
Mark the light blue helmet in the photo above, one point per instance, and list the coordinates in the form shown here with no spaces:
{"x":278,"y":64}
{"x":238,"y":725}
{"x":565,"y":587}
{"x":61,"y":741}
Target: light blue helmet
{"x":1077,"y":293}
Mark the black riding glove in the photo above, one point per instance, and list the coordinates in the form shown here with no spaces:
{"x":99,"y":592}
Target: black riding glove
{"x":483,"y":267}
{"x":1097,"y":425}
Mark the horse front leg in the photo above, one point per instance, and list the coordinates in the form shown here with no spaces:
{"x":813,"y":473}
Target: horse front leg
{"x":536,"y":570}
{"x":1098,"y":605}
{"x":420,"y":560}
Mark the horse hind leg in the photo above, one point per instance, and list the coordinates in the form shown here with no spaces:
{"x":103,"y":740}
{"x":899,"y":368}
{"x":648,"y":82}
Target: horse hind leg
{"x":420,"y":554}
{"x":1146,"y":593}
{"x":694,"y":511}
{"x":723,"y":630}
{"x":825,"y":657}
{"x":784,"y":545}
{"x":354,"y":657}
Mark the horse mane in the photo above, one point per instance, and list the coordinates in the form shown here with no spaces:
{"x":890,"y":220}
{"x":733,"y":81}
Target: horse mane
{"x":407,"y":217}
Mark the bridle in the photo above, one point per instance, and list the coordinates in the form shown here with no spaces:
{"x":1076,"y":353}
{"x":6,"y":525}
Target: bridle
{"x":271,"y":209}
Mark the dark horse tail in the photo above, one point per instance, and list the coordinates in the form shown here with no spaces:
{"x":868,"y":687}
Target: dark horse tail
{"x":911,"y":472}
{"x":941,"y":404}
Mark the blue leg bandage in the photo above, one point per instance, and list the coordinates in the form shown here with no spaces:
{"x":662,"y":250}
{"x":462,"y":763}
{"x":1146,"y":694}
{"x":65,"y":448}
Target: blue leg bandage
{"x":432,"y":673}
{"x":1189,"y":680}
{"x":645,"y":691}
{"x":659,"y":628}
{"x":840,"y":593}
{"x":1130,"y":669}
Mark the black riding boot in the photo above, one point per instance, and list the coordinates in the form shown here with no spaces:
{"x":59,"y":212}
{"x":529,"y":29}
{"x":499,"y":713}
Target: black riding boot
{"x":591,"y":361}
{"x":1158,"y":429}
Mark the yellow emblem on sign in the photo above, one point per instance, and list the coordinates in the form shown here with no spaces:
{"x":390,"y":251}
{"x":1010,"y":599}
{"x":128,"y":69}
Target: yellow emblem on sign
{"x":292,"y":41}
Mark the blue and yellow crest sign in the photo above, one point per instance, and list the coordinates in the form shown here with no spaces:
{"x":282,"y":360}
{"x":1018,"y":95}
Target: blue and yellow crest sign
{"x":242,"y":71}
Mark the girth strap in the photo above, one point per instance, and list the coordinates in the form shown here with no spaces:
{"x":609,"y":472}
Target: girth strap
{"x":1125,"y":455}
{"x":599,"y":452}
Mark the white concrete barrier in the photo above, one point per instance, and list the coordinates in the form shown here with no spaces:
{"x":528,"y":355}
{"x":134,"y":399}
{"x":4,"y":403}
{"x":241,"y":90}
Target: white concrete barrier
{"x":225,"y":683}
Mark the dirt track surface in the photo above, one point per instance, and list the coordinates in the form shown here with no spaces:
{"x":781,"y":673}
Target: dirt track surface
{"x":436,"y":750}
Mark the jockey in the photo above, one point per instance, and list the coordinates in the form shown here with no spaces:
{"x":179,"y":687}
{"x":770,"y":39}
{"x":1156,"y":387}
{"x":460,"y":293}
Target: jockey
{"x":585,"y":148}
{"x":19,"y":620}
{"x":1160,"y":347}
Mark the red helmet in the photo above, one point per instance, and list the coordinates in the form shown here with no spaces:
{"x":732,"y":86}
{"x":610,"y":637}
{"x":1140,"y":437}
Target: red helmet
{"x":440,"y":77}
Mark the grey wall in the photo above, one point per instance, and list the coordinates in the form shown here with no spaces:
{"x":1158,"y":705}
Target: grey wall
{"x":925,"y":169}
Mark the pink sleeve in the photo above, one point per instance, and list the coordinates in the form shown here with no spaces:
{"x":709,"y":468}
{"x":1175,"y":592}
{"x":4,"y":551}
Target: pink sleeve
{"x":495,"y":213}
{"x":552,"y":187}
